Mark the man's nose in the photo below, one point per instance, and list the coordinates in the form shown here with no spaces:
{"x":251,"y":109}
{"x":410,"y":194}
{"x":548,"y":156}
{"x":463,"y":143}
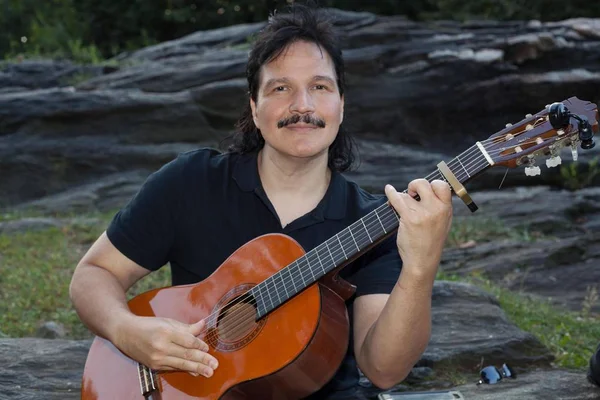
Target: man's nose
{"x":302,"y":102}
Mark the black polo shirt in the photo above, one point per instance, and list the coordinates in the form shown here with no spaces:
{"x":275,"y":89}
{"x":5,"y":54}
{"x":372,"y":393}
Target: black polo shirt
{"x":198,"y":209}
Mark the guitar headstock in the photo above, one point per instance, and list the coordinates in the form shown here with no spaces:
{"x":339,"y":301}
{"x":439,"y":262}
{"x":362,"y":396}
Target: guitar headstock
{"x":543,"y":135}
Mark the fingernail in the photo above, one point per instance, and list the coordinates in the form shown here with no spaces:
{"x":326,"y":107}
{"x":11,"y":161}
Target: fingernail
{"x":214,"y":364}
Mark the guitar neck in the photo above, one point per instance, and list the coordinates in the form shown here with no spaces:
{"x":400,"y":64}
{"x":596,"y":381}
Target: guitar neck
{"x":351,"y":242}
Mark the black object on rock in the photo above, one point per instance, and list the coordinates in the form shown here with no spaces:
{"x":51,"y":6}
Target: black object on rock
{"x":594,"y":370}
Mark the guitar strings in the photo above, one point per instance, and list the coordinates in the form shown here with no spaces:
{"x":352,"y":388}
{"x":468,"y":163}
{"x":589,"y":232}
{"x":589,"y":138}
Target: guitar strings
{"x":239,"y":323}
{"x":248,"y":317}
{"x":277,"y":286}
{"x":470,"y":159}
{"x":292,"y":278}
{"x":236,"y":322}
{"x":285,"y":282}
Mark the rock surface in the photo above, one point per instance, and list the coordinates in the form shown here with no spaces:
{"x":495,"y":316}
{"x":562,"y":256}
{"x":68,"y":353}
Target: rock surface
{"x":439,"y":86}
{"x":560,"y":265}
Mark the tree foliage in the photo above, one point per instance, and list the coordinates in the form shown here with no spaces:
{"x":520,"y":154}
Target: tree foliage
{"x":95,"y":29}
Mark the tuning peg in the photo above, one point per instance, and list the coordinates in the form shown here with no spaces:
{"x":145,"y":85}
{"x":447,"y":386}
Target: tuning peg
{"x":574,"y":151}
{"x":532,"y":171}
{"x":553,"y":161}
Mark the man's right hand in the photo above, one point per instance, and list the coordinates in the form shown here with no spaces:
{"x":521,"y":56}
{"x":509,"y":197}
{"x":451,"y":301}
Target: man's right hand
{"x":166,"y":345}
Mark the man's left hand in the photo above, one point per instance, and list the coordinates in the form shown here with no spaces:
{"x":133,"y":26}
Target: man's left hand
{"x":424,"y":224}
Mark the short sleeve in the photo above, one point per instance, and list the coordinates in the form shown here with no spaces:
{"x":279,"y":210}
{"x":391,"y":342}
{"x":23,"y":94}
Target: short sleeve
{"x":144,"y":230}
{"x":378,"y":270}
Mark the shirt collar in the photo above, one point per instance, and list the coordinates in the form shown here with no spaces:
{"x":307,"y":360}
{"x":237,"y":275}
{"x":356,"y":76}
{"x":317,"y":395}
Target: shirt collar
{"x":332,"y":206}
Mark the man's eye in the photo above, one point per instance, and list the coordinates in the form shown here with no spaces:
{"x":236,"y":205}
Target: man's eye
{"x":279,"y":88}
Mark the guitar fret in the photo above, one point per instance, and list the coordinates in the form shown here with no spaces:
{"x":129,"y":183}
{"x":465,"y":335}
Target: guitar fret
{"x":461,"y":164}
{"x":363,"y":222}
{"x":151,"y":378}
{"x":269,"y":293}
{"x":343,"y":251}
{"x":320,"y":263}
{"x":301,"y":273}
{"x":284,"y":288}
{"x":330,"y":255}
{"x":292,"y":279}
{"x":142,"y":388}
{"x":307,"y":259}
{"x":259,"y":297}
{"x":381,"y":223}
{"x":442,"y":177}
{"x":310,"y":268}
{"x":146,"y":383}
{"x":354,"y":240}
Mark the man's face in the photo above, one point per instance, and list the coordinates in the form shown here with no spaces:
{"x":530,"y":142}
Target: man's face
{"x":298,"y":107}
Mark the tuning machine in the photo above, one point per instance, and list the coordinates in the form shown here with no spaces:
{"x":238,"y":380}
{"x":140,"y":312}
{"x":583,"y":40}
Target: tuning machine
{"x":560,"y":116}
{"x":531,"y":169}
{"x":574,"y":150}
{"x":554,"y":160}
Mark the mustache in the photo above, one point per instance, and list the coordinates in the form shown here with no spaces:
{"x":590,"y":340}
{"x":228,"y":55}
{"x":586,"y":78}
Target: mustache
{"x":306,"y":118}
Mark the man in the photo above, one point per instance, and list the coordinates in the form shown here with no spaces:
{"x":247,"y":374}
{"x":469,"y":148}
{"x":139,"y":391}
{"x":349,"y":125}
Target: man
{"x":282,"y":174}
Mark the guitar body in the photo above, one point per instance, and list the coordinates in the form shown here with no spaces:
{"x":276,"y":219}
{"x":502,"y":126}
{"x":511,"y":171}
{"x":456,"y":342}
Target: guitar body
{"x":288,"y":354}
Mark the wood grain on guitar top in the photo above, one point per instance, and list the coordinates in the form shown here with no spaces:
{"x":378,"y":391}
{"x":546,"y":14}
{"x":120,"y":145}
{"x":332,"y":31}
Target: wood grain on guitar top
{"x":289,"y":354}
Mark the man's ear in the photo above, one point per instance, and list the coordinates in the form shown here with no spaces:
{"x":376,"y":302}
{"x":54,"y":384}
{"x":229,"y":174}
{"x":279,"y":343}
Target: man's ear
{"x":254,"y":116}
{"x":342,"y":111}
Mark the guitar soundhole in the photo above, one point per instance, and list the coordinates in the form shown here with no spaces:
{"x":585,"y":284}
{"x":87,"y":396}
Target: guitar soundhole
{"x":236,"y":322}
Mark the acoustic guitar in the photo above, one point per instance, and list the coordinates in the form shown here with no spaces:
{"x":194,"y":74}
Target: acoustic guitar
{"x":276,"y":318}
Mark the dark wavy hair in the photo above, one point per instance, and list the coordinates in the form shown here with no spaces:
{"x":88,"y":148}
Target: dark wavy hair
{"x":299,"y":23}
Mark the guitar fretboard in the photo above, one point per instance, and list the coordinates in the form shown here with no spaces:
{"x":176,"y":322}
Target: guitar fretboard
{"x":349,"y":243}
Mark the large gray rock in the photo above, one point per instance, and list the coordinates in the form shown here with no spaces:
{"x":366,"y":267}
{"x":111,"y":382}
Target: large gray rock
{"x":469,"y":325}
{"x":34,"y":168}
{"x":191,"y":72}
{"x":130,"y":116}
{"x":558,"y":262}
{"x":561,"y":270}
{"x":439,"y":86}
{"x":41,"y":368}
{"x":45,"y":169}
{"x":536,"y":385}
{"x":541,"y":208}
{"x":43,"y":74}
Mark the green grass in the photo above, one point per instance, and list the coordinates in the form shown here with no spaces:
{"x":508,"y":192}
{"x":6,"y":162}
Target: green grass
{"x":478,"y":229}
{"x":36,"y":269}
{"x":571,"y":336}
{"x":35,"y":272}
